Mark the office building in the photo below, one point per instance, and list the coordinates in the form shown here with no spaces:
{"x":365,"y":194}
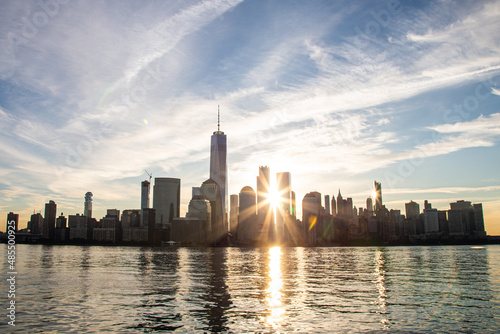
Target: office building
{"x":369,"y":206}
{"x":233,"y":214}
{"x":378,"y":192}
{"x":247,"y":224}
{"x":284,"y":209}
{"x":145,"y":186}
{"x":340,"y":204}
{"x":311,"y":207}
{"x":218,"y":171}
{"x":412,"y":210}
{"x":196,"y":227}
{"x":327,"y":204}
{"x":166,"y":201}
{"x":80,"y":228}
{"x":35,"y":225}
{"x":11,"y":216}
{"x":264,"y":211}
{"x":49,"y":222}
{"x":87,"y":210}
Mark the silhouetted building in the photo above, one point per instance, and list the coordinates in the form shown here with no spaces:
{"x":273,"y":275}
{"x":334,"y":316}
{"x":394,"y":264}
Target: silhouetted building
{"x":311,"y":207}
{"x":195,"y":228}
{"x":35,"y":224}
{"x":49,"y":222}
{"x":218,"y":172}
{"x":131,"y":218}
{"x":233,"y":214}
{"x":479,"y":221}
{"x":443,"y":223}
{"x":166,"y":202}
{"x":334,"y":206}
{"x":61,"y":230}
{"x":247,"y":218}
{"x":431,"y":221}
{"x":340,"y":204}
{"x":145,"y":190}
{"x":108,"y":229}
{"x":378,"y":192}
{"x":369,"y":206}
{"x":284,"y":210}
{"x":11,"y":216}
{"x":87,"y":210}
{"x":466,"y":220}
{"x":412,"y":210}
{"x":327,"y":204}
{"x":80,"y":227}
{"x":264,"y":211}
{"x":218,"y":229}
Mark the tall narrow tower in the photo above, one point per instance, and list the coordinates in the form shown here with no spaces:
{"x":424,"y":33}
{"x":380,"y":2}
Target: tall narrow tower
{"x":87,"y":210}
{"x":378,"y":198}
{"x":145,"y":186}
{"x":218,"y":169}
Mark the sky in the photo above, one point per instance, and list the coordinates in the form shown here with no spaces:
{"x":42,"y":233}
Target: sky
{"x":339,"y":93}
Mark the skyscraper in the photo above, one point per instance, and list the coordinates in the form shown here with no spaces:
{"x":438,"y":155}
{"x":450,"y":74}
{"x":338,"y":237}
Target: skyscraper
{"x":327,"y":204}
{"x":87,"y":210}
{"x":233,"y":214}
{"x":49,"y":221}
{"x":218,"y":169}
{"x":247,"y":229}
{"x":11,"y":216}
{"x":311,"y":207}
{"x":284,"y":189}
{"x":145,"y":186}
{"x":378,"y":198}
{"x":340,"y":204}
{"x":369,"y":206}
{"x":166,"y":200}
{"x":264,"y":210}
{"x":412,"y":210}
{"x":334,"y":206}
{"x":145,"y":190}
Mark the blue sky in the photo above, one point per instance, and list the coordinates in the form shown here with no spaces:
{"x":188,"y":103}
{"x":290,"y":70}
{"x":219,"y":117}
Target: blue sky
{"x":338,"y":93}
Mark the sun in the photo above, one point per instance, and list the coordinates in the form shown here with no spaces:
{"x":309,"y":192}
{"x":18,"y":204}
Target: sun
{"x":273,"y":197}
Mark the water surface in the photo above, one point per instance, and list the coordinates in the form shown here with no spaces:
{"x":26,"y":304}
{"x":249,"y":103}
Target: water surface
{"x":90,"y":289}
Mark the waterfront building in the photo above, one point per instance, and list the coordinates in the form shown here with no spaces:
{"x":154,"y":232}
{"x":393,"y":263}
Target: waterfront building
{"x":35,"y":225}
{"x":334,"y":206}
{"x":196,"y":227}
{"x":233,"y":214}
{"x":247,"y":218}
{"x":11,"y":216}
{"x":284,"y":209}
{"x":218,"y":172}
{"x":49,"y":221}
{"x":87,"y":209}
{"x":264,"y":211}
{"x":166,"y":201}
{"x":311,"y":207}
{"x":327,"y":204}
{"x":378,"y":198}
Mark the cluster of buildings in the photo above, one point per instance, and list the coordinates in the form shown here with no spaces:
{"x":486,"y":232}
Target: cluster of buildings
{"x":253,"y":217}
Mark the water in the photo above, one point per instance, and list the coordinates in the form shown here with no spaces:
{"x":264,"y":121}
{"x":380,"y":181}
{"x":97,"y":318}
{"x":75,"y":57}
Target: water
{"x":90,"y":289}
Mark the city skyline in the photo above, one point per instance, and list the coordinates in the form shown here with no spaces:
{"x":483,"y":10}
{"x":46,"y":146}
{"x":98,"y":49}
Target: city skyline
{"x":337,"y":94}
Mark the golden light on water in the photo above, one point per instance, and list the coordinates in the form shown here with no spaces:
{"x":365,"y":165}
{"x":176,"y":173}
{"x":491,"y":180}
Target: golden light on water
{"x":380,"y":283}
{"x":274,"y":291}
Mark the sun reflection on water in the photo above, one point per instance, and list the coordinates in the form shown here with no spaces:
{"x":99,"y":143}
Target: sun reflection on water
{"x":273,"y":292}
{"x":380,"y":283}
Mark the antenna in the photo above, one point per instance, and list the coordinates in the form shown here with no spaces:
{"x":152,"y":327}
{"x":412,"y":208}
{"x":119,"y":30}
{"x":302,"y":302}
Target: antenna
{"x":218,"y":118}
{"x":150,"y":175}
